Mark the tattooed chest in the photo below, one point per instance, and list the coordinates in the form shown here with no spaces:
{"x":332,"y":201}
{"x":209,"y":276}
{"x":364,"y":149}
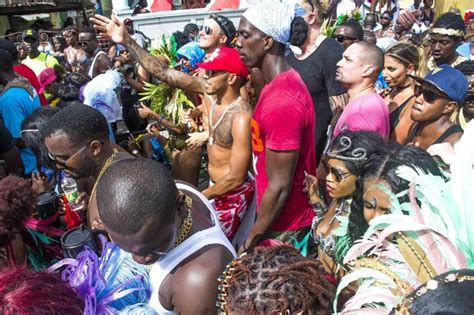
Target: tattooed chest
{"x":222,"y":134}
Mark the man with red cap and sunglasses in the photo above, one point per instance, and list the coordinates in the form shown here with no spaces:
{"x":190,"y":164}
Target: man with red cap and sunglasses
{"x":438,"y":95}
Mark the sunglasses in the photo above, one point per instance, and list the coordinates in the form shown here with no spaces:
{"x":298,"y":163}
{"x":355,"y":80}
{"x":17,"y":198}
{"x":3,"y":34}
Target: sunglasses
{"x":212,"y":73}
{"x":82,"y":44}
{"x":385,"y":18}
{"x":69,"y":33}
{"x":430,"y":95}
{"x":64,"y":162}
{"x":207,"y":30}
{"x":338,"y":175}
{"x":341,"y":38}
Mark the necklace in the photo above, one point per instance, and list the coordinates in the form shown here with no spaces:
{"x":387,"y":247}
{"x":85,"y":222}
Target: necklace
{"x":187,"y":224}
{"x":231,"y":106}
{"x":107,"y":164}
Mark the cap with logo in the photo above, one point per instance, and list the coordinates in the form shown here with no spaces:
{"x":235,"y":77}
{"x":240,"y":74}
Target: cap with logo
{"x":30,"y":34}
{"x":226,"y":59}
{"x":448,"y":80}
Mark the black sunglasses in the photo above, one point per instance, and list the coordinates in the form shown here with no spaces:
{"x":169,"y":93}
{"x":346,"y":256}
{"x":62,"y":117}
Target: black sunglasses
{"x":385,"y":18}
{"x":82,"y":44}
{"x":430,"y":95}
{"x":207,"y":30}
{"x":337,"y":174}
{"x":341,"y":38}
{"x":212,"y":73}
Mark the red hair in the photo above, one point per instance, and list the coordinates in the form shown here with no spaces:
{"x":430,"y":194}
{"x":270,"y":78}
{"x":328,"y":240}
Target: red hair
{"x":17,"y":201}
{"x":24,"y":291}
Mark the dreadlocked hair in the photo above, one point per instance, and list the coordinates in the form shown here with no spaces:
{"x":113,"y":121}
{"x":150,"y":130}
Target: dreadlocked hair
{"x":278,"y":280}
{"x":17,"y":201}
{"x":466,"y":67}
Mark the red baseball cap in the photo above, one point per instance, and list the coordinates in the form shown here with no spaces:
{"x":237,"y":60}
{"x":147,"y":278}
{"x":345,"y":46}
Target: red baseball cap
{"x":46,"y":77}
{"x":226,"y":59}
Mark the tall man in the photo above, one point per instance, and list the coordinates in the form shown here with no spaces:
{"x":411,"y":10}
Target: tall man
{"x":18,"y":100}
{"x":36,"y":60}
{"x":169,"y":226}
{"x":99,"y":62}
{"x":357,"y":71}
{"x":282,"y":126}
{"x":78,"y":141}
{"x":446,"y":35}
{"x":439,"y":94}
{"x":317,"y":67}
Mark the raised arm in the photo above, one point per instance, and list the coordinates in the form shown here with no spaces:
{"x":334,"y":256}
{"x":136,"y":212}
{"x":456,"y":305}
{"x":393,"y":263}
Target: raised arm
{"x":157,"y":67}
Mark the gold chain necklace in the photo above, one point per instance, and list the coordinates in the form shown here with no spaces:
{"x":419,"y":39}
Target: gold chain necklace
{"x":187,"y":224}
{"x":107,"y":164}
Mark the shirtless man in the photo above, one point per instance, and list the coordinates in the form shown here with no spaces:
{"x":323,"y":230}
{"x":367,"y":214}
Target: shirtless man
{"x":438,"y":95}
{"x":77,"y":139}
{"x":172,"y":228}
{"x":99,"y":62}
{"x":229,"y":145}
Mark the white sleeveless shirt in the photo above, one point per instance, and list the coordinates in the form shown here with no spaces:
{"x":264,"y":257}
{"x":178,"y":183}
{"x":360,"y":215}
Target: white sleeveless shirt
{"x":213,"y":235}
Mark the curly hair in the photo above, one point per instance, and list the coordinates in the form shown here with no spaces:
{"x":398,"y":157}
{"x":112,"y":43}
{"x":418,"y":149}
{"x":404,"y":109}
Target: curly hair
{"x":17,"y":201}
{"x":24,"y":291}
{"x":273,"y":280}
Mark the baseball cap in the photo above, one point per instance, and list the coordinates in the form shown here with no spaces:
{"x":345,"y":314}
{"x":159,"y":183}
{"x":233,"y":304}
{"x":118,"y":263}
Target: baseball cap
{"x":226,"y":26}
{"x":448,"y":80}
{"x":226,"y":59}
{"x":30,"y":33}
{"x":46,"y":77}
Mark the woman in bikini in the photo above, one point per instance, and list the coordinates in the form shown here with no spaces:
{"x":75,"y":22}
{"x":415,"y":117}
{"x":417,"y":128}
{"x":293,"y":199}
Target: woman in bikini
{"x":401,"y":59}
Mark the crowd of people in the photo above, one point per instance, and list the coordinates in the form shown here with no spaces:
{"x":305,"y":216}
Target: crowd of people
{"x":291,"y":164}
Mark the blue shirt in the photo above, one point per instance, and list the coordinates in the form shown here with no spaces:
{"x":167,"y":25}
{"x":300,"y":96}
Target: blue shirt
{"x":465,"y":50}
{"x":16,"y":105}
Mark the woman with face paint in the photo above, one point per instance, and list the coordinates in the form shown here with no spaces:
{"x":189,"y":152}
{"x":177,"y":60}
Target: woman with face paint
{"x":344,"y":157}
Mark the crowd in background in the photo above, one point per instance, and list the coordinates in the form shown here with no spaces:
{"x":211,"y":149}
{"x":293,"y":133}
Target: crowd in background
{"x":310,"y":160}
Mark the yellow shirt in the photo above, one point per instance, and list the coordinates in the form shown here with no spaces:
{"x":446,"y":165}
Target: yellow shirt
{"x":40,"y":63}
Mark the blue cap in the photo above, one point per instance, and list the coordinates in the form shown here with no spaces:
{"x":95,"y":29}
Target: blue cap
{"x":448,"y":80}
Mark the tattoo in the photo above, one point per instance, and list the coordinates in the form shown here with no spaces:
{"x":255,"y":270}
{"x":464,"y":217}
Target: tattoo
{"x":223,"y":132}
{"x":160,"y":69}
{"x":338,"y":102}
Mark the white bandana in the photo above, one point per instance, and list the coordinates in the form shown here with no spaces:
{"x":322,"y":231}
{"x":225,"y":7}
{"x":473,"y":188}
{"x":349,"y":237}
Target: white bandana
{"x":274,"y":17}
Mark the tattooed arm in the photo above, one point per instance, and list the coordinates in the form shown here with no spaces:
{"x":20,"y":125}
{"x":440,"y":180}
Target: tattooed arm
{"x":157,"y":67}
{"x":338,"y":102}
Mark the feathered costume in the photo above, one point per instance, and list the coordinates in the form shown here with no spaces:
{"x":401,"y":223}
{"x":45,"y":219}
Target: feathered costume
{"x":110,"y":284}
{"x":399,"y":253}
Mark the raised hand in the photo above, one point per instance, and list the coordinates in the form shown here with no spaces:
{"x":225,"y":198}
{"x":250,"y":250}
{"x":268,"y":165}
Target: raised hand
{"x":114,"y":28}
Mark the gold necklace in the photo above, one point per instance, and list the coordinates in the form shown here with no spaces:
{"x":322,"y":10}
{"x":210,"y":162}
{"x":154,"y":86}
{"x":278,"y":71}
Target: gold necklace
{"x":107,"y":164}
{"x":187,"y":224}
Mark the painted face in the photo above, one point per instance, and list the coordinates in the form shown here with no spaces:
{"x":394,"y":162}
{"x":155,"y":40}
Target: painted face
{"x":394,"y":72}
{"x":345,"y":36}
{"x":216,"y":81}
{"x":340,"y":182}
{"x":250,"y":43}
{"x":350,"y":67}
{"x":76,"y":160}
{"x":376,"y":198}
{"x":429,"y":105}
{"x":148,"y":245}
{"x":443,"y":48}
{"x":87,"y":42}
{"x":210,"y":35}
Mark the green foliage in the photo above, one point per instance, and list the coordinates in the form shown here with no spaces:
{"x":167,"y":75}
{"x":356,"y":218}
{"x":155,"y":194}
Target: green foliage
{"x":168,"y":49}
{"x":329,"y":27}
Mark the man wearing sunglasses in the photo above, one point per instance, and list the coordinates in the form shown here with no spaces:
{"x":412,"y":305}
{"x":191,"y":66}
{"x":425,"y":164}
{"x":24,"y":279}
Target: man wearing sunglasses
{"x":99,"y":61}
{"x":216,"y":31}
{"x":438,"y":95}
{"x":77,"y":138}
{"x":349,"y":33}
{"x":36,"y":60}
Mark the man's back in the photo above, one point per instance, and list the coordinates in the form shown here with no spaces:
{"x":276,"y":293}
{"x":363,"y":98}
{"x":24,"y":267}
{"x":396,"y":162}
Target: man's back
{"x":283,"y":120}
{"x":368,"y":112}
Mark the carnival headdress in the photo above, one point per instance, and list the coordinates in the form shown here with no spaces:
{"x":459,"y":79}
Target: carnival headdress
{"x":351,"y":154}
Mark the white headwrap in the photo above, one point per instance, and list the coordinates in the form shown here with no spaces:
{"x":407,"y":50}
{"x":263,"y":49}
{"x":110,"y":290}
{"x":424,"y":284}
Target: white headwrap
{"x":274,"y":17}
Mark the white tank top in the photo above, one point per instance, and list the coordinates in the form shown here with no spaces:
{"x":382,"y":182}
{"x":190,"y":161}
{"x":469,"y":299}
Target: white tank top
{"x":210,"y":236}
{"x":91,"y":69}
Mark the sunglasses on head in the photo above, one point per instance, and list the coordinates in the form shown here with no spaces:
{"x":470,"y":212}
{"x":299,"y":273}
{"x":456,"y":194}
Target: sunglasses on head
{"x":337,"y":174}
{"x":430,"y":95}
{"x":341,"y":38}
{"x":69,"y":33}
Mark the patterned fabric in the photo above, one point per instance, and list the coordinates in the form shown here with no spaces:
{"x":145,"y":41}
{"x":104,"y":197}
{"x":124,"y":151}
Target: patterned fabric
{"x":193,"y":53}
{"x":232,"y":206}
{"x":274,"y":18}
{"x":20,"y":82}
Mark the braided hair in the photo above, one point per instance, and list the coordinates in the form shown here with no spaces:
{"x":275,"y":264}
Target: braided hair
{"x":274,"y":280}
{"x":450,"y":21}
{"x":466,"y":67}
